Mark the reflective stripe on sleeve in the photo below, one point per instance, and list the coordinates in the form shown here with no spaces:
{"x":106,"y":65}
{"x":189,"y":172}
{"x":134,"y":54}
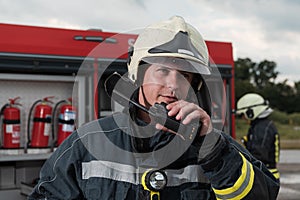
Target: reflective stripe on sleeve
{"x":275,"y":173}
{"x":277,"y":148}
{"x":242,"y":186}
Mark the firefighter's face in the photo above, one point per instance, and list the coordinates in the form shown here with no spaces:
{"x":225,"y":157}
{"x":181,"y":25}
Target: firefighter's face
{"x":163,"y":83}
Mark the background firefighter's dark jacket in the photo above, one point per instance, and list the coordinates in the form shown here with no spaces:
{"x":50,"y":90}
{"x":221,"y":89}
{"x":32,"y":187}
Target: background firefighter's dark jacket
{"x":105,"y":160}
{"x":263,"y":141}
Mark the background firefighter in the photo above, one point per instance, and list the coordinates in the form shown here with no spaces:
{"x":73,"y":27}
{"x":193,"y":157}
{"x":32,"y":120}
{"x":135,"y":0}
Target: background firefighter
{"x":262,"y":139}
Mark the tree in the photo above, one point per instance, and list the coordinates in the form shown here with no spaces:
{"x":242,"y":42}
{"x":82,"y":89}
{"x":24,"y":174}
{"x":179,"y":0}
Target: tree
{"x":264,"y":73}
{"x":242,"y":77}
{"x":260,"y":78}
{"x":297,"y":87}
{"x":285,"y":98}
{"x":296,"y":100}
{"x":242,"y":69}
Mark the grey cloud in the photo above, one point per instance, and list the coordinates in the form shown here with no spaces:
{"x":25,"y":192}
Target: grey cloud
{"x":278,"y":15}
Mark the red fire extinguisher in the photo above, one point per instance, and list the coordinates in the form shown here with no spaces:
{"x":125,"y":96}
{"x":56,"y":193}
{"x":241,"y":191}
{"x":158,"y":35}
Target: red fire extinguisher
{"x":11,"y":124}
{"x":41,"y":129}
{"x":64,"y":122}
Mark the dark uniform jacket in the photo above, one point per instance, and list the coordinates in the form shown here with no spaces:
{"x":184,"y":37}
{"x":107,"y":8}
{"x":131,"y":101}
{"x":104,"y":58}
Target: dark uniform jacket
{"x":263,"y":142}
{"x":106,"y":159}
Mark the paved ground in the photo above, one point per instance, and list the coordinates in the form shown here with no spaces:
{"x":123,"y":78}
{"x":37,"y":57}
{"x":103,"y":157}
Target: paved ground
{"x":289,"y":167}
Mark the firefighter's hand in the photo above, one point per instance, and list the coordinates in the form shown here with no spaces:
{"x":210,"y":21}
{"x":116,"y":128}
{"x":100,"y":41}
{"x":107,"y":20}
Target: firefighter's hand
{"x":187,"y":112}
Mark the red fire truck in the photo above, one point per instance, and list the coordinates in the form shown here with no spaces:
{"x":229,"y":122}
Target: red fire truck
{"x":53,"y":64}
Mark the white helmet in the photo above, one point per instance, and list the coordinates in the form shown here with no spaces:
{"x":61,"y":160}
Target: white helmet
{"x":171,"y":40}
{"x":252,"y":105}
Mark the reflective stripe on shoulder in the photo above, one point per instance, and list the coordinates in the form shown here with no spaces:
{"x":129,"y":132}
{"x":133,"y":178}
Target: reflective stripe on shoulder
{"x":127,"y":173}
{"x":242,"y":186}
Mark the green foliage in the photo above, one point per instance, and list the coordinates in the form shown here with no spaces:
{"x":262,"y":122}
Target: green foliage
{"x":288,"y":125}
{"x":294,"y":119}
{"x":280,"y":117}
{"x":242,"y":87}
{"x":242,"y":69}
{"x":264,"y":73}
{"x":241,"y":128}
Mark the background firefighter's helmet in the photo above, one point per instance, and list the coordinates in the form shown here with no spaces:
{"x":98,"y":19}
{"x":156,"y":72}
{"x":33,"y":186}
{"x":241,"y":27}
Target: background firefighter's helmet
{"x":252,"y":105}
{"x":172,"y":40}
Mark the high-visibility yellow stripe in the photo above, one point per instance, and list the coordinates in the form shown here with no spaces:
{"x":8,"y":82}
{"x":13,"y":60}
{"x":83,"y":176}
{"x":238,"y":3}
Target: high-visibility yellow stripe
{"x":273,"y":170}
{"x":275,"y":173}
{"x":242,"y":186}
{"x":277,"y":148}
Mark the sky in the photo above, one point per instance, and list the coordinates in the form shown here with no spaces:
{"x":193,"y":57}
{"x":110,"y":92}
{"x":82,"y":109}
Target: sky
{"x":258,"y":29}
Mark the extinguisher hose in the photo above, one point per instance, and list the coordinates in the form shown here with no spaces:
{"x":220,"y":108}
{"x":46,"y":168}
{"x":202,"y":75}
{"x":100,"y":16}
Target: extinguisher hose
{"x":29,"y":121}
{"x":1,"y":114}
{"x":55,"y":121}
{"x":2,"y":109}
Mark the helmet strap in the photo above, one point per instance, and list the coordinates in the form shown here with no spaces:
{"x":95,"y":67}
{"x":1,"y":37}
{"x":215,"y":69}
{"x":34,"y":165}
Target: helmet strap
{"x":147,"y":104}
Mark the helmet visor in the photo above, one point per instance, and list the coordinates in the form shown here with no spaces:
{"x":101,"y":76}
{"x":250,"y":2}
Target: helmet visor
{"x":179,"y":63}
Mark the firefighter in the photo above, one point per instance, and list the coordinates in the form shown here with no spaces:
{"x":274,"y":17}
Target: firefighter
{"x":137,"y":155}
{"x":262,"y":140}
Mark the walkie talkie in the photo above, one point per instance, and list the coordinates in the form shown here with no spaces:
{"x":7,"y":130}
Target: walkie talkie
{"x":120,"y":89}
